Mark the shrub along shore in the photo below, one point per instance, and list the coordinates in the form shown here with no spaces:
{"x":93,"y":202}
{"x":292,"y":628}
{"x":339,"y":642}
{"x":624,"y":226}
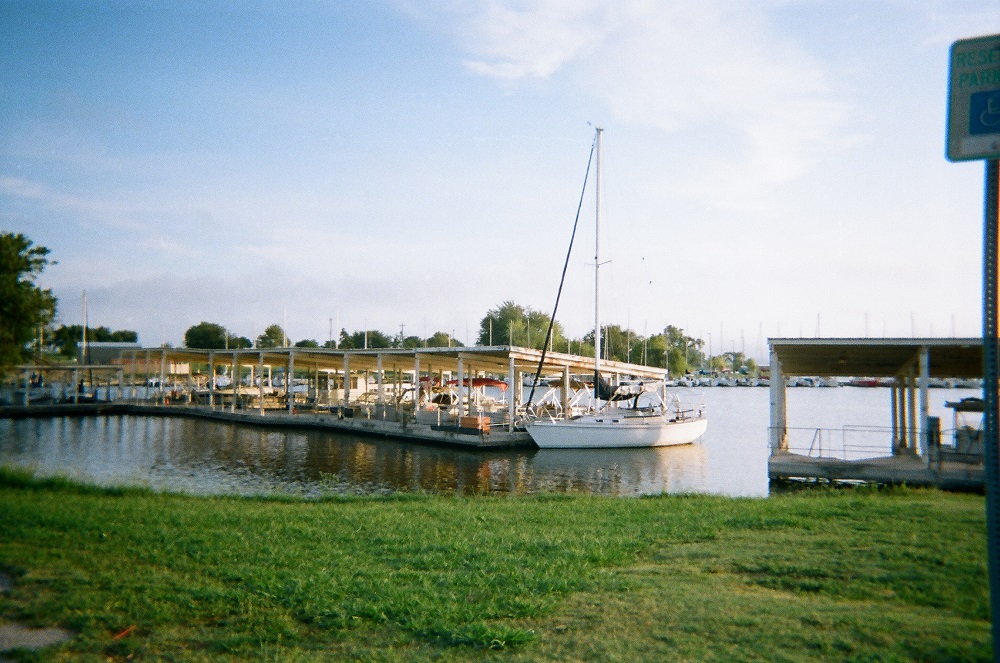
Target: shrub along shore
{"x":820,"y":574}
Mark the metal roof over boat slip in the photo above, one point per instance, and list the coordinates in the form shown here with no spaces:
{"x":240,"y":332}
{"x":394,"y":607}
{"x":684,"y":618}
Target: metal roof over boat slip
{"x":878,"y":357}
{"x":490,"y":359}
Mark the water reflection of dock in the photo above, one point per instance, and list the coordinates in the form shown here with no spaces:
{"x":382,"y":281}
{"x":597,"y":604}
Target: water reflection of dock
{"x":329,"y":422}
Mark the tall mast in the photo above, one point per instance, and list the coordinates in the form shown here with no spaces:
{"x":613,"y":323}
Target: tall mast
{"x":597,"y":276}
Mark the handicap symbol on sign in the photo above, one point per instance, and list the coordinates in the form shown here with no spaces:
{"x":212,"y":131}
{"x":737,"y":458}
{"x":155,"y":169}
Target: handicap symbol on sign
{"x":984,"y":112}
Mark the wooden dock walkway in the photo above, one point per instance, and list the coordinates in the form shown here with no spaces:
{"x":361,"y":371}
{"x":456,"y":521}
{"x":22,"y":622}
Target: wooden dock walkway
{"x":908,"y":469}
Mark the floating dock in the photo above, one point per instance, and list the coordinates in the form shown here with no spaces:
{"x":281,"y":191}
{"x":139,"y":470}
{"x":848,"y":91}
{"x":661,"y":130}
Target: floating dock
{"x":900,"y":469}
{"x":913,"y":451}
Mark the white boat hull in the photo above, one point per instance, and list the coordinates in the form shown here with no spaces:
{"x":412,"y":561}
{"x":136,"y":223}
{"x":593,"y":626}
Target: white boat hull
{"x":596,"y":432}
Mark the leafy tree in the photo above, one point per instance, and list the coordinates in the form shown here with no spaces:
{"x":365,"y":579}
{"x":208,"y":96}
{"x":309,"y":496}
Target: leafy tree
{"x":617,"y":344}
{"x":675,"y":350}
{"x":512,"y":324}
{"x":24,"y":307}
{"x":206,"y":336}
{"x":657,"y":350}
{"x":739,"y":362}
{"x":717,"y":363}
{"x":307,"y":343}
{"x":240,"y":342}
{"x":672,"y":349}
{"x":677,"y":362}
{"x":361,"y":339}
{"x":66,"y":338}
{"x":211,"y":336}
{"x":273,"y":337}
{"x":440,"y":340}
{"x":411,"y":342}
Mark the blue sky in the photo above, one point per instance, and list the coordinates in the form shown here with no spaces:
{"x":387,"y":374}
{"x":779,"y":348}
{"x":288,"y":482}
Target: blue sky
{"x":771,"y":167}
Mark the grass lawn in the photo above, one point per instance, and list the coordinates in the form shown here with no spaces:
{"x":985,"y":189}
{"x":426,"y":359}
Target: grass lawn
{"x":817,"y":575}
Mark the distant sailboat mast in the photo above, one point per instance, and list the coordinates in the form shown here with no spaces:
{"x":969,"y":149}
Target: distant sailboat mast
{"x":84,"y":350}
{"x":597,"y":279}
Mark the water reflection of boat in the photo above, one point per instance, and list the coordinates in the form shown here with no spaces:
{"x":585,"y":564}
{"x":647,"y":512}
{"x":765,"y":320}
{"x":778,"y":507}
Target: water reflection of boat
{"x":643,"y":471}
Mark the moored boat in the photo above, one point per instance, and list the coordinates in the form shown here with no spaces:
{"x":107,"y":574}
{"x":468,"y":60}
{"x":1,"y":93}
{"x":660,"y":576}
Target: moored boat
{"x":613,"y":426}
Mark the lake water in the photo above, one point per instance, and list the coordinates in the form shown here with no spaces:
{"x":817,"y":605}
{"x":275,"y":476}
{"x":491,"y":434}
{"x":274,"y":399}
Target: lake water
{"x":205,"y":457}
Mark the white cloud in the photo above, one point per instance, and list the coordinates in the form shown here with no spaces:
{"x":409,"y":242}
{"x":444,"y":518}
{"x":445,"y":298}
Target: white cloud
{"x":721,"y":67}
{"x":532,"y":39}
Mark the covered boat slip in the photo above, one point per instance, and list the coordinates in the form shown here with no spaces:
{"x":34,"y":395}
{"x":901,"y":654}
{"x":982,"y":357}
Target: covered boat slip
{"x":912,"y":439}
{"x":469,"y":396}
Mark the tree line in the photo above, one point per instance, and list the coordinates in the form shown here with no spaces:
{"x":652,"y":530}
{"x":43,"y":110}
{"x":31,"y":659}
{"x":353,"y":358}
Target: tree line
{"x":673,"y":349}
{"x":213,"y":336}
{"x":27,"y":312}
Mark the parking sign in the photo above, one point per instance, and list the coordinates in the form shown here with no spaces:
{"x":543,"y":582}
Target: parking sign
{"x":974,"y":99}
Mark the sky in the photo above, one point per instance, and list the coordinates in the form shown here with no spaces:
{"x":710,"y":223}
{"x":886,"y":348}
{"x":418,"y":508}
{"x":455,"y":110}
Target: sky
{"x":770,"y":167}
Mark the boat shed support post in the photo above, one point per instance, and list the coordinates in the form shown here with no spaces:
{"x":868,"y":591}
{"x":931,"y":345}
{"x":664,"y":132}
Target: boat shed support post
{"x":925,"y":378}
{"x":380,"y":396}
{"x":779,"y":411}
{"x":347,"y":384}
{"x":416,"y":383}
{"x":163,"y":375}
{"x":897,"y":442}
{"x":518,"y":387}
{"x":565,"y":391}
{"x":27,"y":388}
{"x":429,"y":389}
{"x":512,"y":401}
{"x":260,"y":387}
{"x":395,"y":387}
{"x":911,"y":409}
{"x":904,"y":413}
{"x":468,"y":403}
{"x":235,"y":381}
{"x":461,"y":379}
{"x":289,"y":380}
{"x":211,"y":380}
{"x":131,"y":378}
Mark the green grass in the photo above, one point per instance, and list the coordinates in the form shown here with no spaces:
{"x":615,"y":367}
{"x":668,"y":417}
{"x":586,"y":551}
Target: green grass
{"x":840,"y":575}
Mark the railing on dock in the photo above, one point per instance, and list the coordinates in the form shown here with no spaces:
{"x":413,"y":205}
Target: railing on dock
{"x":851,"y":442}
{"x":858,"y":442}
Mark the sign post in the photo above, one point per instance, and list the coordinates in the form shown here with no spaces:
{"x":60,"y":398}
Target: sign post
{"x":974,"y":133}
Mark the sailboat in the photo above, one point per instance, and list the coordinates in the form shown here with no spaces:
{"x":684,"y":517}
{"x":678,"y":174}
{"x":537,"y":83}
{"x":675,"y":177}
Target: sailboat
{"x":663,"y":424}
